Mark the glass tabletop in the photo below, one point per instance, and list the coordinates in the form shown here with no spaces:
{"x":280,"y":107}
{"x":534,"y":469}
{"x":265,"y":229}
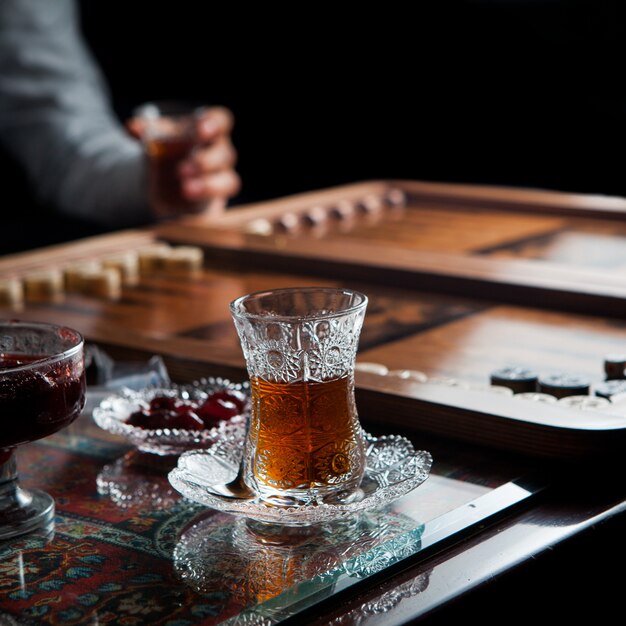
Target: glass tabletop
{"x":126,"y":548}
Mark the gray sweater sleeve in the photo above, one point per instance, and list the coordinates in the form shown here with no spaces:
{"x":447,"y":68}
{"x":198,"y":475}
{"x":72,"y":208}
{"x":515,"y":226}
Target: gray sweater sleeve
{"x":56,"y":118}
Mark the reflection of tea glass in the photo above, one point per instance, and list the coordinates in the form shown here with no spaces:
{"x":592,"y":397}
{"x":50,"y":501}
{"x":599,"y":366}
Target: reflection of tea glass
{"x":42,"y":389}
{"x":169,"y":134}
{"x":259,"y":567}
{"x":304,"y":443}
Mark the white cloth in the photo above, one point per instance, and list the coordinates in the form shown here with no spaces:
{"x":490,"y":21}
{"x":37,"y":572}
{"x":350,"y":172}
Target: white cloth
{"x":56,"y":119}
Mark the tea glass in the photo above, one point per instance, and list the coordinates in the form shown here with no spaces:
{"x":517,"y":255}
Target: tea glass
{"x":169,"y":135}
{"x":304,"y":443}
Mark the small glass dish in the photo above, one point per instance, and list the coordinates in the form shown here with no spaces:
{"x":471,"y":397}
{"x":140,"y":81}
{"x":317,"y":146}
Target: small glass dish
{"x":393,"y":469}
{"x":113,"y":411}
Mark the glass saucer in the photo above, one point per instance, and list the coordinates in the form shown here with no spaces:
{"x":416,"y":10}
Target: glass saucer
{"x":393,"y":469}
{"x":113,"y":411}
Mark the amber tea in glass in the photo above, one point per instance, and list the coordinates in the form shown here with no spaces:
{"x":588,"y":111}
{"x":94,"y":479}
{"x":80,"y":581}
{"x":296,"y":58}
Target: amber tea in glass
{"x":304,"y":442}
{"x":169,"y":136}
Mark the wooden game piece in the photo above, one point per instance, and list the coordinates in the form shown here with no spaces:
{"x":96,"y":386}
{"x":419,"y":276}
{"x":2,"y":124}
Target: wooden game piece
{"x":127,"y":264}
{"x":184,"y":260}
{"x":415,"y":375}
{"x":44,"y":285}
{"x":447,"y":381}
{"x":105,"y":283}
{"x":11,"y":292}
{"x":561,"y":385}
{"x":316,"y":221}
{"x":518,"y":379}
{"x":153,"y":258}
{"x":614,"y":366}
{"x":73,"y":274}
{"x":535,"y":396}
{"x":343,"y":210}
{"x":260,"y":227}
{"x":370,"y":204}
{"x":288,"y":223}
{"x":374,"y":368}
{"x":395,"y":198}
{"x":315,"y":217}
{"x":584,"y":402}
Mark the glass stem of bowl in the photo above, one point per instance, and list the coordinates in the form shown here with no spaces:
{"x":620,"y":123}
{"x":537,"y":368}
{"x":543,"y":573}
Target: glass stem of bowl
{"x":11,"y":496}
{"x":8,"y":472}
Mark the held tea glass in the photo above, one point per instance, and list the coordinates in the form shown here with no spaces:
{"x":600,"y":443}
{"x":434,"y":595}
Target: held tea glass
{"x":305,"y":442}
{"x":42,"y":389}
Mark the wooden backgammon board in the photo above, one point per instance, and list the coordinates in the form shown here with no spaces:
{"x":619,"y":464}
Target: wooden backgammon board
{"x":462,"y":281}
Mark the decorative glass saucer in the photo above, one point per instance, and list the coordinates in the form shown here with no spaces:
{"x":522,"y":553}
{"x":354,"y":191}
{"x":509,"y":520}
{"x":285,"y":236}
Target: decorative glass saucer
{"x":113,"y":411}
{"x":393,"y":469}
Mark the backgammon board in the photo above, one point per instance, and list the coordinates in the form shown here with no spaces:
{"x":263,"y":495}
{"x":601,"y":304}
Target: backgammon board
{"x":462,"y":281}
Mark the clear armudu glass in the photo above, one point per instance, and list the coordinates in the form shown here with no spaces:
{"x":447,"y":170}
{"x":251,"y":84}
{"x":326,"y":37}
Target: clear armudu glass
{"x":305,"y":441}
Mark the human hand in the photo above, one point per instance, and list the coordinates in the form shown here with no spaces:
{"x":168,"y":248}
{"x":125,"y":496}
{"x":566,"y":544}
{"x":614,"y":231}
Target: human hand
{"x":207,"y":176}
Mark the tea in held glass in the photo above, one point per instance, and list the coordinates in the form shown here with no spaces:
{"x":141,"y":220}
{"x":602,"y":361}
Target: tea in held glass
{"x":304,"y":443}
{"x":169,"y":136}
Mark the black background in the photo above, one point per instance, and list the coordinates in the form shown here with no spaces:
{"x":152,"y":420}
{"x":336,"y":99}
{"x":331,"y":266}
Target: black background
{"x":510,"y":92}
{"x":526,"y":93}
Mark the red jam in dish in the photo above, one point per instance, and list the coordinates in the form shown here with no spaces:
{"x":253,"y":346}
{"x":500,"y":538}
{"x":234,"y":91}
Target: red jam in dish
{"x":174,"y":413}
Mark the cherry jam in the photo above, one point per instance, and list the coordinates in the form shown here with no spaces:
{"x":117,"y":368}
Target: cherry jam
{"x":168,"y":412}
{"x":39,"y":400}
